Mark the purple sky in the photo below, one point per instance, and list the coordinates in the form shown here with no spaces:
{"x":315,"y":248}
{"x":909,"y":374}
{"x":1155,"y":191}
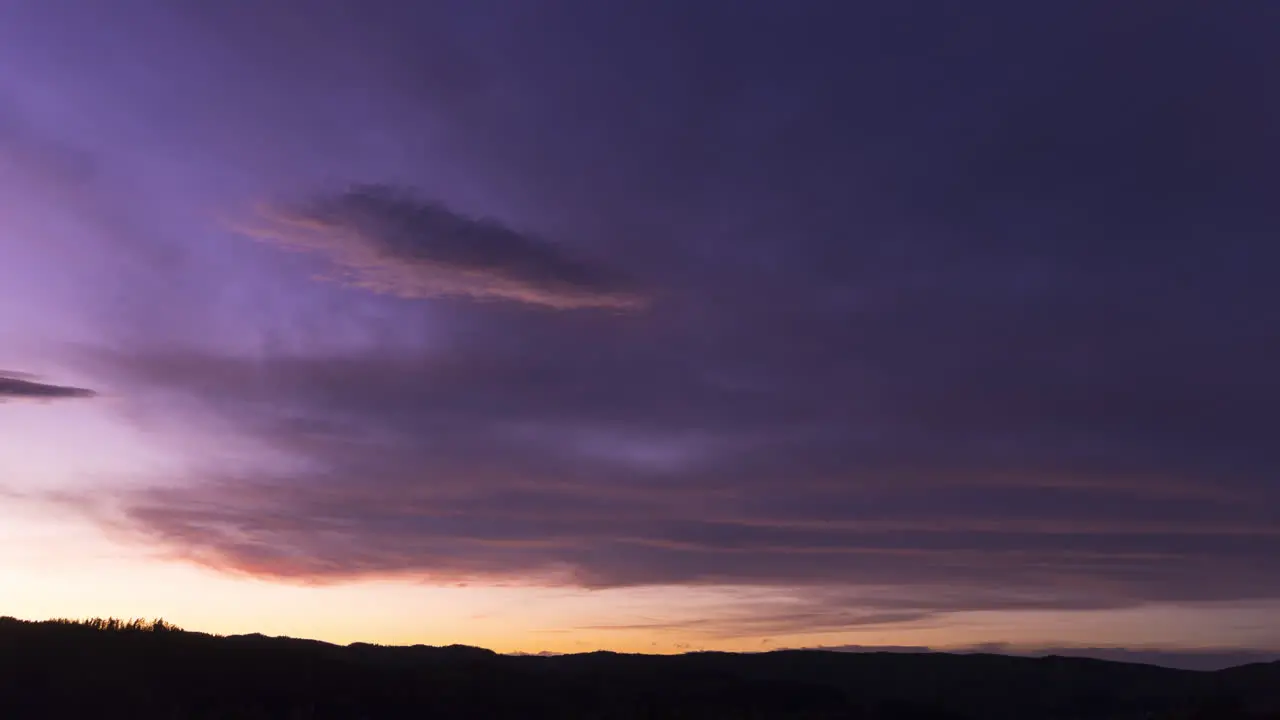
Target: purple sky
{"x":738,"y":324}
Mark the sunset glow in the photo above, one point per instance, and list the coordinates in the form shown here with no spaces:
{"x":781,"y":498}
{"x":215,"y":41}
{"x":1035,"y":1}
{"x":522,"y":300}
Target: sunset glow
{"x":552,"y":332}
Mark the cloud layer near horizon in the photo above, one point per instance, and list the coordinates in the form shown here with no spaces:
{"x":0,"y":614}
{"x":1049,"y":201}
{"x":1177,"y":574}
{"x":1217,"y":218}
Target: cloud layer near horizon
{"x":624,"y":459}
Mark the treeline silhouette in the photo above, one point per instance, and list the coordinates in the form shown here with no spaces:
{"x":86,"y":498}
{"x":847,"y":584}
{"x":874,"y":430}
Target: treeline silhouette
{"x":152,"y":669}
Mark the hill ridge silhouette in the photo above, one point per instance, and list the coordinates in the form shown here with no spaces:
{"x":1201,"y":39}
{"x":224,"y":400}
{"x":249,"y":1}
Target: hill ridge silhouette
{"x":145,"y":669}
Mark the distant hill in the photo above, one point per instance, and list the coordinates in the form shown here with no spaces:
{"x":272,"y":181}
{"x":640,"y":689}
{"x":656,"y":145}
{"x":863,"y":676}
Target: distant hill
{"x":152,"y":670}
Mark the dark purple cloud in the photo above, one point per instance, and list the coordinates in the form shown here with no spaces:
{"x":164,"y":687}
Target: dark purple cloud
{"x":976,"y":307}
{"x":21,"y":386}
{"x":388,"y":240}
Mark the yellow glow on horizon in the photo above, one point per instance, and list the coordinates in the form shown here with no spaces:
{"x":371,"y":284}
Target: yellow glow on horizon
{"x":60,"y":572}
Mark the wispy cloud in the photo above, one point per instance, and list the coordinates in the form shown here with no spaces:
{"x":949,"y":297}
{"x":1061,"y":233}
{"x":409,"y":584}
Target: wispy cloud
{"x":389,"y":240}
{"x":755,"y":621}
{"x":22,"y":386}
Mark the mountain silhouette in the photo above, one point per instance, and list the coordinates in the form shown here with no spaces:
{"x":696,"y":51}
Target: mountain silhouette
{"x":138,"y":669}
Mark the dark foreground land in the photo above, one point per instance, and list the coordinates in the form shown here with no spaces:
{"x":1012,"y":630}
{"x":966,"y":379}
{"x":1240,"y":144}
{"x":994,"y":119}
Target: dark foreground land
{"x":142,"y":670}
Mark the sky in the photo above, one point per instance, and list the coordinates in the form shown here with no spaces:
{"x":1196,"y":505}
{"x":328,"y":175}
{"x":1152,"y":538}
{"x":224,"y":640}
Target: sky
{"x":645,"y":325}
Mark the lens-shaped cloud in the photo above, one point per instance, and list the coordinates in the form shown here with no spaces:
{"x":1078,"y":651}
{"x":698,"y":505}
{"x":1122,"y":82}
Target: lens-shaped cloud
{"x":21,"y":386}
{"x":390,"y":241}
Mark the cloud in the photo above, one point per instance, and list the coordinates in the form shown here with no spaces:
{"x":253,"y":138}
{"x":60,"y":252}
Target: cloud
{"x":21,"y":386}
{"x":422,"y":464}
{"x":389,"y":241}
{"x":752,"y":620}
